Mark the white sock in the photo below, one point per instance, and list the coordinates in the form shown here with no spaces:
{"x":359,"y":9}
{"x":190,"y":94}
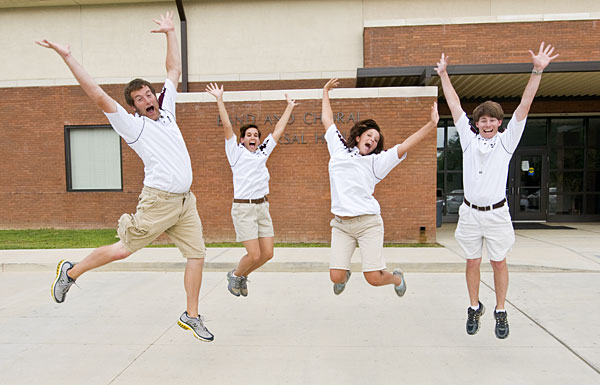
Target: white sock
{"x":501,"y":311}
{"x":475,"y":308}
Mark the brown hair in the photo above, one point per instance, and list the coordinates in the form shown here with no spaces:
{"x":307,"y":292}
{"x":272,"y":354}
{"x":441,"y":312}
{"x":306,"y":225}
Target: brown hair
{"x":245,"y":128}
{"x":359,"y":128}
{"x":134,"y":85}
{"x":489,"y":108}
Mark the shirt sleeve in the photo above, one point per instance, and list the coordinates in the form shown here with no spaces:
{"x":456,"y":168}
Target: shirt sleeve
{"x":268,"y":145}
{"x":168,"y":97}
{"x":335,"y":140}
{"x":126,"y":125}
{"x":232,"y":150}
{"x":385,"y":161}
{"x":465,"y":133}
{"x":512,"y":135}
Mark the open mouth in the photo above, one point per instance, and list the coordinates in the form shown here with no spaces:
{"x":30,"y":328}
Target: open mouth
{"x":488,"y":131}
{"x":368,"y":146}
{"x":252,"y":145}
{"x":150,"y":110}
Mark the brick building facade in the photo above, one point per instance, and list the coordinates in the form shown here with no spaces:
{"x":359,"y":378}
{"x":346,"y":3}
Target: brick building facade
{"x":33,"y":190}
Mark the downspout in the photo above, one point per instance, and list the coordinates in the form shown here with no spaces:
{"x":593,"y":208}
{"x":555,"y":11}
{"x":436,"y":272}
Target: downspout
{"x":184,"y":53}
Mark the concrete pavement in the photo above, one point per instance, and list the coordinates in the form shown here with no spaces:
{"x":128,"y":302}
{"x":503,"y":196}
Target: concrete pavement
{"x":119,"y":326}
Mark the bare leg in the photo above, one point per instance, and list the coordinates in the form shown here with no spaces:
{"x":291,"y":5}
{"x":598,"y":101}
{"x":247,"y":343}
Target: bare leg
{"x":381,"y":278}
{"x":99,"y":257}
{"x":337,"y":275}
{"x":473,"y":277}
{"x":192,"y":280}
{"x":500,"y":282}
{"x":252,"y":256}
{"x":265,"y":247}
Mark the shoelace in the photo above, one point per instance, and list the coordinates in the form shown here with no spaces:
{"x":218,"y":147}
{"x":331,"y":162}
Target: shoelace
{"x":472,"y":314}
{"x":502,"y":321}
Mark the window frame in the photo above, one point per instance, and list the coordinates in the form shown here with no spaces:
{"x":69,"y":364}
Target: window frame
{"x":68,"y":158}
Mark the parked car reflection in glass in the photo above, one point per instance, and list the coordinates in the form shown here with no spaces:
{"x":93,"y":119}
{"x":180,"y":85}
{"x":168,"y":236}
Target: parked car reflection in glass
{"x":453,"y":201}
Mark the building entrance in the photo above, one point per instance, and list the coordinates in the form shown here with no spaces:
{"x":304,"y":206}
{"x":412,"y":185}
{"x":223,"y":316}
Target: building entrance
{"x":528,"y":185}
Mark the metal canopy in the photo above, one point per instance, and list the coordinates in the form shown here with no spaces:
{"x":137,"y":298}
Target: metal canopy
{"x":561,"y":79}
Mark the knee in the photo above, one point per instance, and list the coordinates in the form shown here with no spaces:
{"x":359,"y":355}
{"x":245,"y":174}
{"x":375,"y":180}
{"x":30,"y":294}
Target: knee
{"x":373,"y":278}
{"x":337,"y":276}
{"x":266,"y":256}
{"x":499,"y":265}
{"x":254,"y":256}
{"x":473,"y":263}
{"x":118,"y":252}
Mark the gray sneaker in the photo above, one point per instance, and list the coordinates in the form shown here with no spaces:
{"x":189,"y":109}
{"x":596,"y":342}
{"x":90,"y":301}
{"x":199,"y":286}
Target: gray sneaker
{"x":196,"y":325}
{"x":234,"y":283}
{"x":244,"y":286}
{"x":339,"y":287}
{"x":400,"y":289}
{"x":63,"y":282}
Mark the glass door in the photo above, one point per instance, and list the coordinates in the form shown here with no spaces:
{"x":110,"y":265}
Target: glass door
{"x":528,"y":195}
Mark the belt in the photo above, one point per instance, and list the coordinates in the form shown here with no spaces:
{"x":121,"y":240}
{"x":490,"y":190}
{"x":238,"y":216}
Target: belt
{"x":258,"y":200}
{"x":485,"y":208}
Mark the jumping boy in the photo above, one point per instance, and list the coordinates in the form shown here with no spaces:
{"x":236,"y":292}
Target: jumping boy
{"x":166,"y":203}
{"x":250,"y":209}
{"x":484,"y":213}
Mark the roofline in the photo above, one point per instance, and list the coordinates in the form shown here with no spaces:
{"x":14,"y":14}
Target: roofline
{"x":476,"y":69}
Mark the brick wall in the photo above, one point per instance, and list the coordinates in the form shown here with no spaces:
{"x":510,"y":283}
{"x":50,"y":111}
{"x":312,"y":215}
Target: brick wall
{"x":479,"y":43}
{"x":33,"y":186}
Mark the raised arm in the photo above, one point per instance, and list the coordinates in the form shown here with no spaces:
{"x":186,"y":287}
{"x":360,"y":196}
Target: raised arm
{"x":173,"y":62}
{"x":217,"y":92}
{"x":282,"y":123}
{"x":89,"y":85}
{"x":326,"y":112}
{"x":452,"y":98}
{"x":540,"y":62}
{"x":418,"y":136}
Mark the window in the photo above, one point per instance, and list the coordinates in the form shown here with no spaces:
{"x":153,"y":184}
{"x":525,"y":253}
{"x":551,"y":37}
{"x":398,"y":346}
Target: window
{"x":93,"y":158}
{"x":449,"y":167}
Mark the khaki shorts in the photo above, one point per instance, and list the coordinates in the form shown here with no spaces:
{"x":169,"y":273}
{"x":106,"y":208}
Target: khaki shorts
{"x":251,"y":221}
{"x":159,"y":211}
{"x":364,"y":230}
{"x":494,"y":226}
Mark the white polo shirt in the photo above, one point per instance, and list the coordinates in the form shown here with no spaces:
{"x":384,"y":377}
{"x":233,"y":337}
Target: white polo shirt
{"x":485,"y":161}
{"x":353,"y":177}
{"x":159,"y":144}
{"x":250,"y":174}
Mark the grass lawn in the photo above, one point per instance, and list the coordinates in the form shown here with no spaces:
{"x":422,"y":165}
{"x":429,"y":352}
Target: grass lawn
{"x":73,"y":239}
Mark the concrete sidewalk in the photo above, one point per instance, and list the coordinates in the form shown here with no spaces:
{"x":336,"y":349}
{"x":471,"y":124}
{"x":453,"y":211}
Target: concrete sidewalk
{"x":120,"y":327}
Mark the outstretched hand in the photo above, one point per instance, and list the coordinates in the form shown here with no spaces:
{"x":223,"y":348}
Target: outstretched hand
{"x":165,"y":24}
{"x":543,"y":58}
{"x":290,"y":101}
{"x":332,"y":83}
{"x":442,"y":65}
{"x":62,"y":50}
{"x":214,"y":90}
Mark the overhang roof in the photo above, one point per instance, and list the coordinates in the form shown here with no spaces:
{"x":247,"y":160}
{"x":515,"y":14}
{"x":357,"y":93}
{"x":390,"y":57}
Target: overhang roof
{"x":561,"y":79}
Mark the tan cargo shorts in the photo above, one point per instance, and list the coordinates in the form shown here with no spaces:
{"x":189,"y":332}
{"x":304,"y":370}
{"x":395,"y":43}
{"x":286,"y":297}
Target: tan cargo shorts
{"x":251,"y":221}
{"x":160,"y":211}
{"x":366,"y":231}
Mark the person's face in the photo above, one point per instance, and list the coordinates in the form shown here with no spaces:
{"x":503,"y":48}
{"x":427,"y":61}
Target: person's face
{"x":250,"y":140}
{"x":367,"y":141}
{"x":488,"y":126}
{"x":145,"y":103}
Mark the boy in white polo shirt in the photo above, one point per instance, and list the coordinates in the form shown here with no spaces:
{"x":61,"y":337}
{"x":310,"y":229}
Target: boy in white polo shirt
{"x":355,"y":167}
{"x":166,"y":203}
{"x":484,"y":213}
{"x":250,"y":209}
